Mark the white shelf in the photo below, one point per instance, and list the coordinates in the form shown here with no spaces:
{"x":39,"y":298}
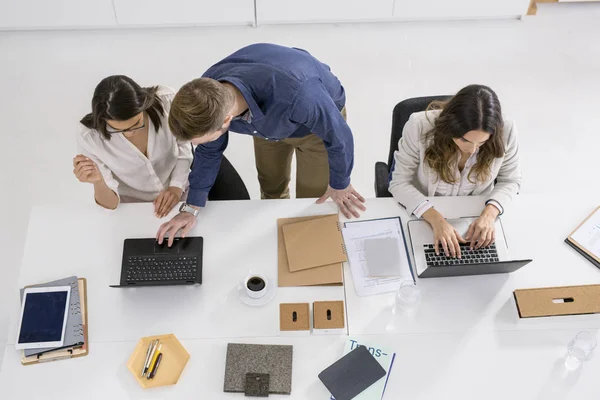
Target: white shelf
{"x":288,"y":11}
{"x":184,"y":12}
{"x":458,"y":9}
{"x":53,"y":14}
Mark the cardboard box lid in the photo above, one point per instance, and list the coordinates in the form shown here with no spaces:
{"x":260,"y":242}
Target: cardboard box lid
{"x":325,"y":275}
{"x":314,"y":243}
{"x":290,"y":322}
{"x":328,"y":315}
{"x":555,"y":301}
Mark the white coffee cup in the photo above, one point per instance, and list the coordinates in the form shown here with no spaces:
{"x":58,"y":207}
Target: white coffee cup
{"x":256,"y":285}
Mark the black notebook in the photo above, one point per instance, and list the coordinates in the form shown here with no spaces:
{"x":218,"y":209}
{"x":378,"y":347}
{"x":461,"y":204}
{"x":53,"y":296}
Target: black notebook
{"x":352,"y":374}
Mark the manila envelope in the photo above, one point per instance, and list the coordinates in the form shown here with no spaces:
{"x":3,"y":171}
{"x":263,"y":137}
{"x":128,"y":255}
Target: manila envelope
{"x":331,"y":275}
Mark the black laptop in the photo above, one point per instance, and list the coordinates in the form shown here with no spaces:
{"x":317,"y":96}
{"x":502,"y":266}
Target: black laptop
{"x":147,"y":263}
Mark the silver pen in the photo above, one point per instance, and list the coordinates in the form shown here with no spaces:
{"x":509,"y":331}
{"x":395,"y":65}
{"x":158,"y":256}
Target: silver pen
{"x":149,"y":356}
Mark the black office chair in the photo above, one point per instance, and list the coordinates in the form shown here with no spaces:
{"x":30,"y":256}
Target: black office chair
{"x":401,"y":114}
{"x":228,"y":183}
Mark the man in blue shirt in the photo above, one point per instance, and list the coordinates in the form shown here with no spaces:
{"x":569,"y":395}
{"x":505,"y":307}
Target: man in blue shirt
{"x":288,"y":101}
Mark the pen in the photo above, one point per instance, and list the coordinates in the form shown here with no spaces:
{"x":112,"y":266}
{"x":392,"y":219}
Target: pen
{"x":147,"y":357}
{"x":154,"y":358}
{"x":147,"y":366}
{"x":155,"y":369}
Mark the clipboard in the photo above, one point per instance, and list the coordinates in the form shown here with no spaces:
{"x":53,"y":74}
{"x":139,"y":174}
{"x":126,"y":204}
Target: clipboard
{"x":579,"y":247}
{"x":63,"y":354}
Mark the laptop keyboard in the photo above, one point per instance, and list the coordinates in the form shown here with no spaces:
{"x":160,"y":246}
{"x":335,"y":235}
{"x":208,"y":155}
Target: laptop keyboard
{"x":475,"y":256}
{"x":161,"y":268}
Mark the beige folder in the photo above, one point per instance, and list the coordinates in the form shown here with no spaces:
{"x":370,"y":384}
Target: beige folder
{"x":326,"y":275}
{"x":314,"y":243}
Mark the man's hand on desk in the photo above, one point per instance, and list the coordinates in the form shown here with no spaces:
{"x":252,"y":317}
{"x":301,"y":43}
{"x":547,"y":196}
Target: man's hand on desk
{"x":482,"y":232}
{"x":183,"y":221}
{"x":348,"y":200}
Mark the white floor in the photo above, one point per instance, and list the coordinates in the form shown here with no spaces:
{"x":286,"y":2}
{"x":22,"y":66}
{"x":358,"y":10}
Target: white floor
{"x":545,"y":70}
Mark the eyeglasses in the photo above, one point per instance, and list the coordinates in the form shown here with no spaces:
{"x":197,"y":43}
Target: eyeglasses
{"x":134,"y":128}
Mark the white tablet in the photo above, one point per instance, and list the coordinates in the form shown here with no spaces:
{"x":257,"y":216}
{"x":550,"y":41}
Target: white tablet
{"x":43,"y":319}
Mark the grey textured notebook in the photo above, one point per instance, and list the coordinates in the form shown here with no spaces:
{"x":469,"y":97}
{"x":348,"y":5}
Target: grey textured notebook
{"x":274,"y":360}
{"x":74,"y":327}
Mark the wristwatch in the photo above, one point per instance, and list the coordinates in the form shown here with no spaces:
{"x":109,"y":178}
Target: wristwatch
{"x":185,"y":207}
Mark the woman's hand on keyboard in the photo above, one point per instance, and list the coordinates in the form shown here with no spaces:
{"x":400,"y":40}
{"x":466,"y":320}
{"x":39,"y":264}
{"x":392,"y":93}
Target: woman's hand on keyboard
{"x":482,"y":232}
{"x":444,"y":234}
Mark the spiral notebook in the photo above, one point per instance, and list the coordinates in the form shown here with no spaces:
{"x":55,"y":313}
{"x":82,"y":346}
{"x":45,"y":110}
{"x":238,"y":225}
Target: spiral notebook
{"x":314,"y":243}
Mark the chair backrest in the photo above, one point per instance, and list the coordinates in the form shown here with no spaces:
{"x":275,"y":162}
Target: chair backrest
{"x":402,"y":113}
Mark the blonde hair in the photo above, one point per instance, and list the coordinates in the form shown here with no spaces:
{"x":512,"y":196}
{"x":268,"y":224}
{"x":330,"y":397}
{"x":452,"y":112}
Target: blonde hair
{"x":199,"y":107}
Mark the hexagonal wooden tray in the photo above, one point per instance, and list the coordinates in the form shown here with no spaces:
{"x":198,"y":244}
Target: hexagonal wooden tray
{"x":174,"y":360}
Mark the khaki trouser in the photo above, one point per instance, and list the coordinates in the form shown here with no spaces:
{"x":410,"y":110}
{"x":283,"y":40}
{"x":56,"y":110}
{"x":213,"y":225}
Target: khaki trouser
{"x":274,"y":165}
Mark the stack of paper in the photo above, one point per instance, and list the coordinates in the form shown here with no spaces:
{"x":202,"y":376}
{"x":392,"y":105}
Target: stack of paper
{"x":377,"y":254}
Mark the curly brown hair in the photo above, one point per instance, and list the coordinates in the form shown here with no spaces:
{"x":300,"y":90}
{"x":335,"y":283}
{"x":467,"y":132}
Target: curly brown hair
{"x":473,"y":108}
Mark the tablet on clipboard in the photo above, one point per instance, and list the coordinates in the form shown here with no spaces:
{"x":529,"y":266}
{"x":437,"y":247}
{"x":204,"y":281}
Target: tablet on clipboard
{"x":43,"y":317}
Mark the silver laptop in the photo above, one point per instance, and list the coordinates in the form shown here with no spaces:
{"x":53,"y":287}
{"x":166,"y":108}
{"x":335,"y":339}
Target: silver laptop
{"x":490,"y":260}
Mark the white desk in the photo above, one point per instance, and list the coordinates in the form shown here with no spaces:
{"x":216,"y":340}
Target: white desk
{"x":499,"y":366}
{"x":535,"y":228}
{"x":463,"y":341}
{"x":238,"y":236}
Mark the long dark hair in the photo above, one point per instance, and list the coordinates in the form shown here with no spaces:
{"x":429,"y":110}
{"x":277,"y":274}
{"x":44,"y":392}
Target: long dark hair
{"x":119,"y":98}
{"x":473,"y":108}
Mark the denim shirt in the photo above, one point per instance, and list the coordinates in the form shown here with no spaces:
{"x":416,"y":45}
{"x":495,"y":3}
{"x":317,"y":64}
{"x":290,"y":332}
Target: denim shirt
{"x":290,"y":94}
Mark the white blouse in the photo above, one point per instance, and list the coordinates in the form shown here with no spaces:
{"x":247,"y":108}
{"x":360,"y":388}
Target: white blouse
{"x":127,"y":171}
{"x":462,"y":187}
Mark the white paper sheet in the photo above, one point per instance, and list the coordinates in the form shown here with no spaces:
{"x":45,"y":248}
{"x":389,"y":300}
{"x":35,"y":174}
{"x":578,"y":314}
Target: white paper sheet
{"x":588,"y":234}
{"x":354,"y":234}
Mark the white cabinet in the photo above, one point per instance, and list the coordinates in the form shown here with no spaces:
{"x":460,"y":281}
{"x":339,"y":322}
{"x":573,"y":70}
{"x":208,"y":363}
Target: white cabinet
{"x":458,"y":9}
{"x":292,"y":11}
{"x":48,"y":14}
{"x":61,"y":14}
{"x":184,"y":12}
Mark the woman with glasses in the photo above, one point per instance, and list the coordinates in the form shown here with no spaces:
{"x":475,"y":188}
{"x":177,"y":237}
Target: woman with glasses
{"x":127,"y":150}
{"x":461,"y":147}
